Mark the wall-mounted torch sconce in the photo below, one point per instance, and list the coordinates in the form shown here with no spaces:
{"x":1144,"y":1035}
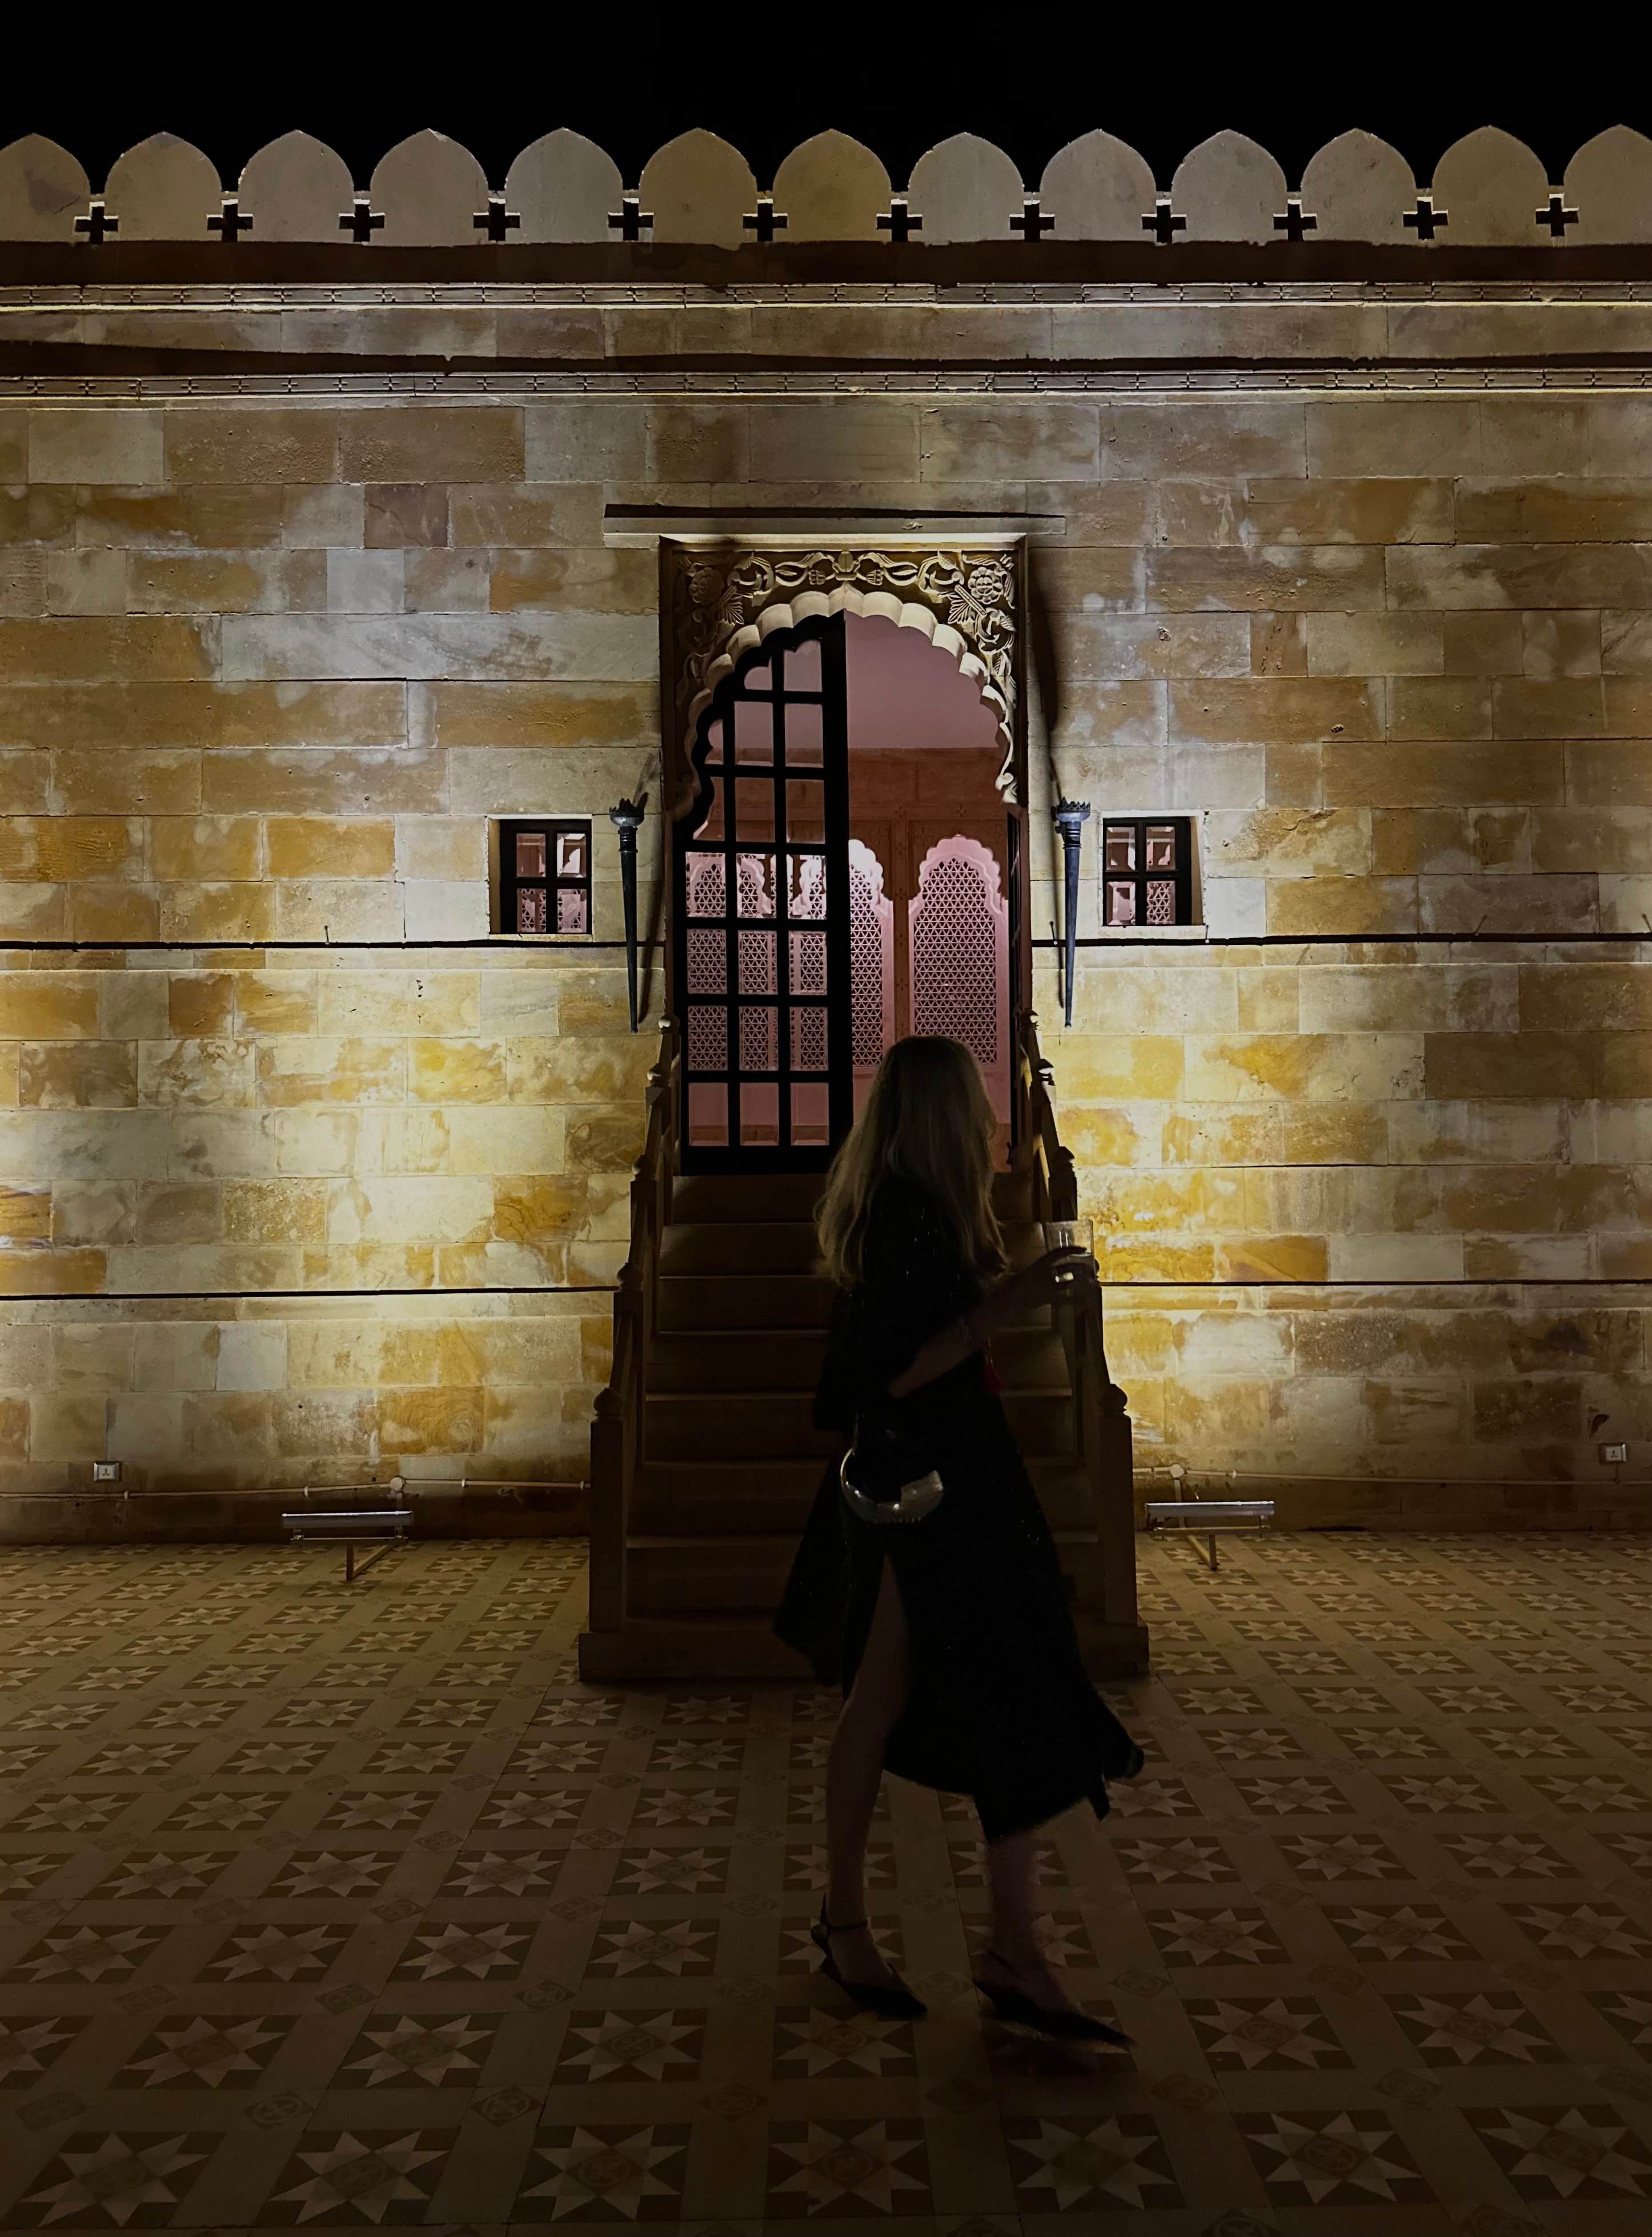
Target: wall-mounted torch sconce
{"x":626,"y":820}
{"x":1071,"y":815}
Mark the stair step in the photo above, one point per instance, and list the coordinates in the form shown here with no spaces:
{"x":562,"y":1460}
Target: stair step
{"x":777,"y":1246}
{"x":750,"y":1424}
{"x":743,"y":1301}
{"x":733,"y":1425}
{"x":786,"y":1197}
{"x":748,"y":1246}
{"x":696,"y":1489}
{"x":744,"y":1572}
{"x":711,"y":1649}
{"x":744,"y":1196}
{"x":726,"y":1359}
{"x":690,"y":1479}
{"x":710,"y":1359}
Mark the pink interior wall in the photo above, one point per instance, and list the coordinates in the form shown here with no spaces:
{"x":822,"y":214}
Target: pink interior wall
{"x":904,"y":692}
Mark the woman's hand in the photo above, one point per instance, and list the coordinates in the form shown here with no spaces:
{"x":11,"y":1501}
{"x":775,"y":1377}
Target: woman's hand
{"x":1057,"y":1274}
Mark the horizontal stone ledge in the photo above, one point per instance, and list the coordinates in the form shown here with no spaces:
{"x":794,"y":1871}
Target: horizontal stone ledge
{"x":1163,"y":382}
{"x":1007,"y":262}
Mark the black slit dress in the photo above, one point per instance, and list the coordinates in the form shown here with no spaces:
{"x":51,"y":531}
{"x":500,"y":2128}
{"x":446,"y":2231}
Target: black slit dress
{"x":1002,"y":1708}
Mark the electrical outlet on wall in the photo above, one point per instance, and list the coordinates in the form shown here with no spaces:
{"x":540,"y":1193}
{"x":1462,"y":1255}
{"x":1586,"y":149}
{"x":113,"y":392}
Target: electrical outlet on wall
{"x":1615,"y":1455}
{"x":106,"y":1471}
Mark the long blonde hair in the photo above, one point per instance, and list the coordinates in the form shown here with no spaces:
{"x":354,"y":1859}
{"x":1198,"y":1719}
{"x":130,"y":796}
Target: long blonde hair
{"x":926,"y":1120}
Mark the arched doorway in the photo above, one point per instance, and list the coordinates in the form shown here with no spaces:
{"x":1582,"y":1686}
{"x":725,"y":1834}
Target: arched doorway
{"x":847,"y":871}
{"x":936,"y":849}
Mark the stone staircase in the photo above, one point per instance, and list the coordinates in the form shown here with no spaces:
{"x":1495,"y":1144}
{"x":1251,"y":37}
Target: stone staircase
{"x":714,"y":1459}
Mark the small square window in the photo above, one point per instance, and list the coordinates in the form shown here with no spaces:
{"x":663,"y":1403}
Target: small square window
{"x":1146,"y":871}
{"x":544,"y":876}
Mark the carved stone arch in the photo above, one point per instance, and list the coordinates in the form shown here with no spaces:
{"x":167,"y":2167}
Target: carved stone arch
{"x":721,"y":600}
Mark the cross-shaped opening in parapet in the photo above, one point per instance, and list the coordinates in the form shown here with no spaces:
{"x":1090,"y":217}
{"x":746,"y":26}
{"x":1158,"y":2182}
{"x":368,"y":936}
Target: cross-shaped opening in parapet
{"x":361,"y":220}
{"x":765,"y":221}
{"x":97,"y":224}
{"x":1557,"y":217}
{"x":1162,"y":223}
{"x":629,"y":219}
{"x":230,"y":225}
{"x":1425,"y":220}
{"x":1033,"y":224}
{"x":1293,"y":221}
{"x":496,"y":221}
{"x":898,"y":221}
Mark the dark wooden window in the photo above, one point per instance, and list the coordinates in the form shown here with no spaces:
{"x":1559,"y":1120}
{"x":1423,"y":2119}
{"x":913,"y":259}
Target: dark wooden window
{"x":544,"y":875}
{"x":763,"y":915}
{"x":1146,"y":871}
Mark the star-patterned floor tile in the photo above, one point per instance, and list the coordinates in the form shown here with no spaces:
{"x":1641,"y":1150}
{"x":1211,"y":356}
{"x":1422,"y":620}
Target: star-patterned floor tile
{"x":1272,"y":2032}
{"x":1230,"y":1935}
{"x":1483,"y":2026}
{"x":1344,"y":2159}
{"x":634,"y":2045}
{"x":216,"y":2050}
{"x":1582,"y":2154}
{"x":829,"y":2169}
{"x":127,"y":2180}
{"x":399,"y":2050}
{"x":1078,"y":2164}
{"x":380,"y":2178}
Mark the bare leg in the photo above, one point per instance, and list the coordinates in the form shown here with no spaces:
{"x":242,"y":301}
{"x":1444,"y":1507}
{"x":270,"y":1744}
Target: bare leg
{"x":1014,"y":1956}
{"x":854,"y":1772}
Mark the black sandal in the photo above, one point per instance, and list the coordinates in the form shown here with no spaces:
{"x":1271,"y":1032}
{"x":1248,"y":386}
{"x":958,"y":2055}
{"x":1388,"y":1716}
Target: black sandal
{"x":892,"y":1998}
{"x":1015,"y":2009}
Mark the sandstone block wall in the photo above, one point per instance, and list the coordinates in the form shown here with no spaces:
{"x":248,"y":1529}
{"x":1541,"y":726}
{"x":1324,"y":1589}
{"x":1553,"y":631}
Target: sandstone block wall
{"x":306,"y":1173}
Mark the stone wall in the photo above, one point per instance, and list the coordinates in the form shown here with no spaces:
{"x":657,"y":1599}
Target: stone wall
{"x":310,"y":1178}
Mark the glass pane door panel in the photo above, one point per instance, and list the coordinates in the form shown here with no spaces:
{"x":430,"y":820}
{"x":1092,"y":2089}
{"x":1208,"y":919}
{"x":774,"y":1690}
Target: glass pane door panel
{"x":811,"y":1113}
{"x":805,"y":735}
{"x":708,"y":1038}
{"x":759,"y":1113}
{"x":754,"y":808}
{"x":757,"y":963}
{"x":806,"y":888}
{"x":757,"y":885}
{"x":708,"y":963}
{"x":802,"y":666}
{"x":809,"y":1039}
{"x":754,"y":730}
{"x":807,"y":963}
{"x":805,"y":810}
{"x":759,"y":1041}
{"x":713,"y":827}
{"x":708,"y":1114}
{"x":706,"y":881}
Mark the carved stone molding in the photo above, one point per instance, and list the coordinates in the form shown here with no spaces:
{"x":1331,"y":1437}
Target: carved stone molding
{"x":722,"y":599}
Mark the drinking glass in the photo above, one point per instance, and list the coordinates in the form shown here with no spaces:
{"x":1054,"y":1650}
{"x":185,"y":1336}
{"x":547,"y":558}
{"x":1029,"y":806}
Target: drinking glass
{"x":1070,"y":1235}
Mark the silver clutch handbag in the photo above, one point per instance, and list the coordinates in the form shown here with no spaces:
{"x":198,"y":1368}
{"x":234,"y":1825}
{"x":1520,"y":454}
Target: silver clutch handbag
{"x":884,"y":1479}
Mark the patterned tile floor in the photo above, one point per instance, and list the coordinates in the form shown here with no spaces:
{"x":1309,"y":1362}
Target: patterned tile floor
{"x":329,"y":1909}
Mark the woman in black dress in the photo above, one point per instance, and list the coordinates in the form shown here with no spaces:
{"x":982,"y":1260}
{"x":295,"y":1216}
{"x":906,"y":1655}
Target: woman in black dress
{"x":951,"y":1636}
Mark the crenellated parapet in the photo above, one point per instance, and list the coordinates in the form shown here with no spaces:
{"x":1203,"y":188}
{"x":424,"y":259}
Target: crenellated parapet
{"x":1488,"y":192}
